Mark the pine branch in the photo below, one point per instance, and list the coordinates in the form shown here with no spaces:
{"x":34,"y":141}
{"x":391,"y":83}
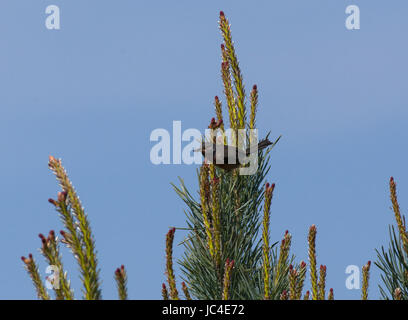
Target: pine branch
{"x":205,"y":199}
{"x":330,"y":295}
{"x":366,"y":276}
{"x":88,"y":261}
{"x":301,"y":280}
{"x":312,"y":260}
{"x":307,"y":295}
{"x":169,"y":265}
{"x":283,"y":262}
{"x":227,"y":279}
{"x":72,"y":237}
{"x":32,"y":270}
{"x":284,"y":295}
{"x":397,"y":294}
{"x":398,"y":218}
{"x":78,"y":237}
{"x":121,"y":282}
{"x":235,"y":70}
{"x":50,"y":250}
{"x":293,"y":278}
{"x":185,"y":290}
{"x":216,"y":220}
{"x":228,"y":90}
{"x":393,"y":262}
{"x":254,"y":105}
{"x":322,"y":283}
{"x":165,"y":293}
{"x":218,"y":112}
{"x":265,"y":238}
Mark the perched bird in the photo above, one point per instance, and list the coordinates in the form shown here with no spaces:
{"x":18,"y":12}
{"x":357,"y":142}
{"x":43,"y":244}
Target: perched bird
{"x":231,"y":157}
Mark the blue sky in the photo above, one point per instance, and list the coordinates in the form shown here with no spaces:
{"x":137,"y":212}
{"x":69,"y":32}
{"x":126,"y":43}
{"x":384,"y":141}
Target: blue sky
{"x":92,"y":92}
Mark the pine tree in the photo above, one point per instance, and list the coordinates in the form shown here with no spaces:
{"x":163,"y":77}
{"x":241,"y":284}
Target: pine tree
{"x":393,"y":262}
{"x":226,"y":222}
{"x":227,"y":252}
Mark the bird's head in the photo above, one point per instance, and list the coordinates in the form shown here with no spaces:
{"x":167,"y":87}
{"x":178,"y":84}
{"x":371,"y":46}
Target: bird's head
{"x":204,"y":146}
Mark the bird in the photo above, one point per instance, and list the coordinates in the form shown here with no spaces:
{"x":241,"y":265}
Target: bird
{"x":231,"y":157}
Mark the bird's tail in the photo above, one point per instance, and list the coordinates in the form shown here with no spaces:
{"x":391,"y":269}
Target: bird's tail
{"x":264,"y":143}
{"x":261,"y":145}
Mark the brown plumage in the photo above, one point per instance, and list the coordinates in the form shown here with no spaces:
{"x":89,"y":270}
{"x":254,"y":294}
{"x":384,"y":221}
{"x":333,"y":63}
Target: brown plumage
{"x":229,"y":159}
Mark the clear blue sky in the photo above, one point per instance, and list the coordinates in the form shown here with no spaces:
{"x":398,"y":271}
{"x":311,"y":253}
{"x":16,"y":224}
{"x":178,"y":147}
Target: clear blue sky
{"x":92,"y":92}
